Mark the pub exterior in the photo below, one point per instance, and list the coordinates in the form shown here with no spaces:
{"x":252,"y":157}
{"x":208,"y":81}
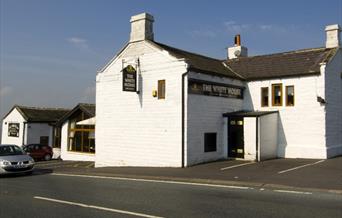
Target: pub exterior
{"x":160,"y":106}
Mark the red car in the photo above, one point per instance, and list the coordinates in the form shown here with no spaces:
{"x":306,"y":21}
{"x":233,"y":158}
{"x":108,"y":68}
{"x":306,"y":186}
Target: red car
{"x":38,"y":151}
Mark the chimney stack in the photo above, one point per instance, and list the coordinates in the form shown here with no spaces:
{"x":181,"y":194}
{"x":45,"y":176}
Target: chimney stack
{"x":238,"y":50}
{"x":333,"y":33}
{"x":141,"y":27}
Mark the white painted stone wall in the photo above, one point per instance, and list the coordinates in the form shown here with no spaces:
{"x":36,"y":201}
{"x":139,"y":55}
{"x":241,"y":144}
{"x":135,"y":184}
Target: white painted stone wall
{"x":72,"y":155}
{"x":13,"y":117}
{"x":333,"y":96}
{"x":268,"y":136}
{"x":36,"y":130}
{"x":301,"y":128}
{"x":249,"y":131}
{"x":204,"y":114}
{"x":138,"y":129}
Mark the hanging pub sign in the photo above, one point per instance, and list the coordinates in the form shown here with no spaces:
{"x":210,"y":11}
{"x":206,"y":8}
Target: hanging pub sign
{"x":201,"y":87}
{"x":129,"y":79}
{"x":13,"y":129}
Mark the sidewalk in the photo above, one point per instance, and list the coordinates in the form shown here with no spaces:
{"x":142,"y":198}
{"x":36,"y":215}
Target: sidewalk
{"x":308,"y":174}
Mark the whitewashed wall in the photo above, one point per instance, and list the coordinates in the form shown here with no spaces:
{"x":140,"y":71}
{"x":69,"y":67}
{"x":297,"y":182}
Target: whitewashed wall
{"x":301,"y":128}
{"x":249,"y":132}
{"x":13,"y":117}
{"x":268,"y":136}
{"x":72,"y":155}
{"x":333,"y":96}
{"x":139,"y":130}
{"x":36,"y":130}
{"x":204,"y":114}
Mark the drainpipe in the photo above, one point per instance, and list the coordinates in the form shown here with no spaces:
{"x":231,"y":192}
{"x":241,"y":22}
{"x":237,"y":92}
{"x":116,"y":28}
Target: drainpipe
{"x":183,"y":116}
{"x":24,"y":131}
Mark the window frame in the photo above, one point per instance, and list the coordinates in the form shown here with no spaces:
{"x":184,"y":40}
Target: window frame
{"x":281,"y":94}
{"x":161,"y":89}
{"x":262,"y":97}
{"x":287,"y":95}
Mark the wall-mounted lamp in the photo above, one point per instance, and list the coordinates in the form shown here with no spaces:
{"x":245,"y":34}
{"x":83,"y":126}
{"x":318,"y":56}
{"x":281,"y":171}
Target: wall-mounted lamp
{"x":154,"y":93}
{"x":321,"y":100}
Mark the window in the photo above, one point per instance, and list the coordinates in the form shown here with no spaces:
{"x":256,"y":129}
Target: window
{"x":209,"y":142}
{"x":56,"y":137}
{"x":264,"y":97}
{"x":81,"y":136}
{"x":277,"y":95}
{"x":161,"y":89}
{"x":44,"y":140}
{"x":289,"y":95}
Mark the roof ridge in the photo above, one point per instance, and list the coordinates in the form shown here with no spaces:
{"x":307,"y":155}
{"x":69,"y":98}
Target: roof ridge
{"x":285,"y":53}
{"x":40,"y":108}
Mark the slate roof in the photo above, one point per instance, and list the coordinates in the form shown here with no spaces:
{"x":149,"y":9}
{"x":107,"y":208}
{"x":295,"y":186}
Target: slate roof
{"x":199,"y":63}
{"x":89,"y":109}
{"x":39,"y":114}
{"x":286,"y":64}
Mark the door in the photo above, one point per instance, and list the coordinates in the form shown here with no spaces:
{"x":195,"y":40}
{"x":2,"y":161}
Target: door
{"x":235,"y":137}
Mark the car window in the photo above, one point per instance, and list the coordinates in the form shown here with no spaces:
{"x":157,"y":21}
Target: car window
{"x":36,"y":147}
{"x":10,"y":150}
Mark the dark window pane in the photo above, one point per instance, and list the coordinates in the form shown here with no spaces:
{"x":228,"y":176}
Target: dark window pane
{"x":209,"y":142}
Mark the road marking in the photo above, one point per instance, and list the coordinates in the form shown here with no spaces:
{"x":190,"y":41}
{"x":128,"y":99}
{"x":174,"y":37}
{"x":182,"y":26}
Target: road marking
{"x":239,"y":165}
{"x":293,"y":192}
{"x":295,"y":168}
{"x":96,"y":207}
{"x":90,"y":165}
{"x":155,"y":181}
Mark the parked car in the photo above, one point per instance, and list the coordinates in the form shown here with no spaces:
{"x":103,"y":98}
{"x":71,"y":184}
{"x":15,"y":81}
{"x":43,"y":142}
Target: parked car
{"x":14,"y":160}
{"x":38,"y":151}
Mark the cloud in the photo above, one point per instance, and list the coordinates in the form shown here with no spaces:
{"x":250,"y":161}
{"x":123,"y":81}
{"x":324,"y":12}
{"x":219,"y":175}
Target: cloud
{"x":234,"y":27}
{"x":6,"y":90}
{"x":78,"y":42}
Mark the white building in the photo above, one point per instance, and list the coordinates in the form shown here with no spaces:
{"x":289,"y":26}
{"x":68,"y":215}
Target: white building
{"x":162,"y":106}
{"x":32,"y":125}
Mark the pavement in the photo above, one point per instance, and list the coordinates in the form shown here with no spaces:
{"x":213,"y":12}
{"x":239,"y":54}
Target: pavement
{"x":306,"y":175}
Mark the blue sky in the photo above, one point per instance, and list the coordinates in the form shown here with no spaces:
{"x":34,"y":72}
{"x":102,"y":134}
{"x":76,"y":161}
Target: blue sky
{"x":50,"y":50}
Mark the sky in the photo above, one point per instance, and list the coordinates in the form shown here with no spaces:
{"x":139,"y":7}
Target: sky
{"x":50,"y":50}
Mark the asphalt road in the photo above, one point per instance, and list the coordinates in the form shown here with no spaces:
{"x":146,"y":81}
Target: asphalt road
{"x":53,"y":195}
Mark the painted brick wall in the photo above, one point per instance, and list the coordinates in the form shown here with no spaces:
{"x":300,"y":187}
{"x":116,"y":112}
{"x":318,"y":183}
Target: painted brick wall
{"x":204,"y":114}
{"x":301,"y":128}
{"x":333,"y":95}
{"x":36,"y":130}
{"x":268,"y":136}
{"x":13,"y":117}
{"x":139,"y":130}
{"x":249,"y":131}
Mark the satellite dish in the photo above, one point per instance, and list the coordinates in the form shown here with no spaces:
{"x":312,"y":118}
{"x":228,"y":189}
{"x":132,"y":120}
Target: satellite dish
{"x":237,"y":53}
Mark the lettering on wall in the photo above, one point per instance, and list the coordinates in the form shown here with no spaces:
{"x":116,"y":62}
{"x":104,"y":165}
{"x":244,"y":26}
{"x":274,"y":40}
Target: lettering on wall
{"x":13,"y":129}
{"x":129,"y":79}
{"x":201,"y":87}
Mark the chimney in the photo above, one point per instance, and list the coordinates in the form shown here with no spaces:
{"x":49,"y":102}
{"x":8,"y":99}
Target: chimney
{"x":238,"y":50}
{"x":333,"y":36}
{"x":141,"y":27}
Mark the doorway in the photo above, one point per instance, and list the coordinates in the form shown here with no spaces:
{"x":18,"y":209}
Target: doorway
{"x":235,"y":137}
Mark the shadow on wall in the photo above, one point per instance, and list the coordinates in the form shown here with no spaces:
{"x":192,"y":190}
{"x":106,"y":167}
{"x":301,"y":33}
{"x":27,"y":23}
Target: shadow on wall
{"x":282,"y":143}
{"x":140,"y":87}
{"x":247,"y":100}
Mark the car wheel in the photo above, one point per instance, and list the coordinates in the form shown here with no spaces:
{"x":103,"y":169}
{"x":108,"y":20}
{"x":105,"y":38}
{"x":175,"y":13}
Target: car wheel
{"x":47,"y":157}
